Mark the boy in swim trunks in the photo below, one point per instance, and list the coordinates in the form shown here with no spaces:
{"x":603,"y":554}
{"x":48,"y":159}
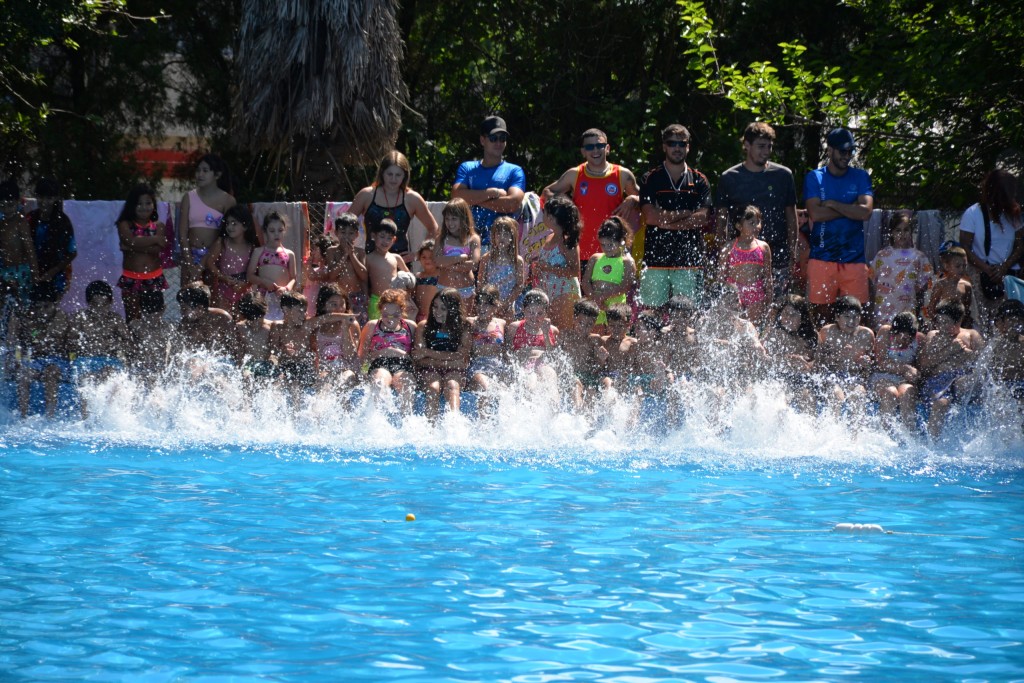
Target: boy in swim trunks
{"x":583,"y":350}
{"x":252,"y":337}
{"x":98,"y":336}
{"x":382,"y":265}
{"x":346,"y":265}
{"x":290,"y":345}
{"x":40,"y":335}
{"x":949,"y":353}
{"x":846,"y":354}
{"x":203,"y":328}
{"x":151,"y":337}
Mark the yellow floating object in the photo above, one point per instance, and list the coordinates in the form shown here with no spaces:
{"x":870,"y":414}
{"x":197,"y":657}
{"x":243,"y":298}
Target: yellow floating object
{"x":410,"y":517}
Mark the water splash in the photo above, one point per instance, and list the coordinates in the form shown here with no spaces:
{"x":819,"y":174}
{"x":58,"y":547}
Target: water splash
{"x":199,"y":401}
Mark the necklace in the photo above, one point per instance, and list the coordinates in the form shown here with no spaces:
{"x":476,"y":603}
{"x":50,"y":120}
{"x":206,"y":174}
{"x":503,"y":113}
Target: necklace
{"x":682,"y":177}
{"x":387,"y":209}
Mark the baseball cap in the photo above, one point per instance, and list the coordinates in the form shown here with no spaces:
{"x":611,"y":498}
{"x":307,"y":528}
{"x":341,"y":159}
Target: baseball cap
{"x":493,"y":124}
{"x":841,"y":139}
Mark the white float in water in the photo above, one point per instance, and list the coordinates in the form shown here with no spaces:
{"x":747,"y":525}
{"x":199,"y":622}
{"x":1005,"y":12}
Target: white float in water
{"x":849,"y":528}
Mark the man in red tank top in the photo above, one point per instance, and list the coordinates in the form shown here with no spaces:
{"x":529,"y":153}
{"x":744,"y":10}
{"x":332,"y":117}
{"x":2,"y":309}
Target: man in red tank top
{"x":599,"y":189}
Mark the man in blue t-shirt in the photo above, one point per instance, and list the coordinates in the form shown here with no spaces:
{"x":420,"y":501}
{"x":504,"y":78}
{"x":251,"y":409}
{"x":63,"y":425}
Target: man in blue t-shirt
{"x":492,"y":187}
{"x":839,"y":199}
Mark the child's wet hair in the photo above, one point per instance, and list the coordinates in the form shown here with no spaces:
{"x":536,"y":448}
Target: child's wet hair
{"x":195,"y":294}
{"x":328,"y":291}
{"x":428,"y":245}
{"x":847,"y":303}
{"x":1011,"y":308}
{"x":904,"y":322}
{"x":489,"y":294}
{"x":952,"y":309}
{"x":252,"y":306}
{"x":585,"y":307}
{"x":619,"y":313}
{"x":650,"y":320}
{"x":952,"y":253}
{"x":98,"y":288}
{"x":681,"y":303}
{"x":746,"y":213}
{"x":386,"y":226}
{"x":613,"y":228}
{"x":535,"y":297}
{"x":346,"y":220}
{"x":293,"y":299}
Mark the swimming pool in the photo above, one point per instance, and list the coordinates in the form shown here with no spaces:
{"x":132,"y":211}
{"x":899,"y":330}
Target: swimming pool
{"x":275,"y":551}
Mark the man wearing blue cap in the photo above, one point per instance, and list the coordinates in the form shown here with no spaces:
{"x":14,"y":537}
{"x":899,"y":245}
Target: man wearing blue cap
{"x":839,"y":199}
{"x":492,"y":186}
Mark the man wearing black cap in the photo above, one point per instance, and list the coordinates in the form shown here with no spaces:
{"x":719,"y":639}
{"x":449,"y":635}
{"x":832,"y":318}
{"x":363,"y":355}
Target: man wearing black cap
{"x":492,"y":186}
{"x":839,"y":199}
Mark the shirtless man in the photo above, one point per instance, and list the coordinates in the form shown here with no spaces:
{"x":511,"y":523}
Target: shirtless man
{"x":949,"y":353}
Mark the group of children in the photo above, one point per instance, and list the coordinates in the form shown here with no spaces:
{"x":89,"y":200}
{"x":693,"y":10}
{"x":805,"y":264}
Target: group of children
{"x":480,"y":321}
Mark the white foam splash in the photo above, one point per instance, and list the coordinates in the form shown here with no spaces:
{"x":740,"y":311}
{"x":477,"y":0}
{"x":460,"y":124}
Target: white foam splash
{"x":186,"y":406}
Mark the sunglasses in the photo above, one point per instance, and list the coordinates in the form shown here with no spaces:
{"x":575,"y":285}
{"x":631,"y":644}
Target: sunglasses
{"x":677,"y":143}
{"x":498,"y":137}
{"x":591,"y":146}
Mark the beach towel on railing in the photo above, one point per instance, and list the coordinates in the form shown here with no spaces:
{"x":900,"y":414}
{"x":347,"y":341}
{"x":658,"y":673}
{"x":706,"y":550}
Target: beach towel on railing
{"x":1014,"y":287}
{"x":99,"y":251}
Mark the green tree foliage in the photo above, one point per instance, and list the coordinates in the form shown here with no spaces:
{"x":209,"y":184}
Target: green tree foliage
{"x":933,"y":90}
{"x":76,"y":79}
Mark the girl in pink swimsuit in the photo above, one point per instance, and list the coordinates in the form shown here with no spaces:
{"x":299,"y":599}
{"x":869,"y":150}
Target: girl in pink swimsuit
{"x":747,"y":263}
{"x":229,"y":256}
{"x":336,"y":337}
{"x":457,"y":252}
{"x":272,"y":266}
{"x":529,"y":341}
{"x":202,"y":210}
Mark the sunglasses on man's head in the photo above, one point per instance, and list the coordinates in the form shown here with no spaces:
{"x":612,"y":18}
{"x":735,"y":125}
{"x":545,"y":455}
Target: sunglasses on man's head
{"x":498,"y":137}
{"x":677,"y":143}
{"x":591,"y":146}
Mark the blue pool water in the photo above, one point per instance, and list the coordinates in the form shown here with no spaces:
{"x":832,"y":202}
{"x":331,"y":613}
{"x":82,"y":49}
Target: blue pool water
{"x":278,"y":552}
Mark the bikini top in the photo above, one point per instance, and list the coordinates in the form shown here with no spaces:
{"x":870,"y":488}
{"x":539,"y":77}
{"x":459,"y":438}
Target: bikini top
{"x":608,"y":269}
{"x":402,"y":338}
{"x":147,"y":230}
{"x":906,"y":355}
{"x":330,"y":346}
{"x":200,"y":215}
{"x":441,"y":340}
{"x":523,"y":340}
{"x":279,"y":257}
{"x":738,"y":256}
{"x":456,"y":251}
{"x":492,"y":335}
